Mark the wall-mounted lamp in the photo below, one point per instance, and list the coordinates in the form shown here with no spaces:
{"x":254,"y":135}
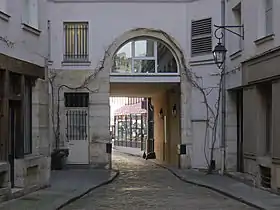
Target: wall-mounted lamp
{"x":174,"y":110}
{"x":160,"y":114}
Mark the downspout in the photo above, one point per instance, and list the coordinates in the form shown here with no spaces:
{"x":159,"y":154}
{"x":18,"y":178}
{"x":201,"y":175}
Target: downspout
{"x":49,"y":86}
{"x":223,"y":92}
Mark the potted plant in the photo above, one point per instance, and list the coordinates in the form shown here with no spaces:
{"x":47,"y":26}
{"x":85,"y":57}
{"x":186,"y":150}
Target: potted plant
{"x":58,"y":158}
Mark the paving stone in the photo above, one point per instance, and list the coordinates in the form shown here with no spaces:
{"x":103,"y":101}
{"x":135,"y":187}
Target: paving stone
{"x":142,"y":185}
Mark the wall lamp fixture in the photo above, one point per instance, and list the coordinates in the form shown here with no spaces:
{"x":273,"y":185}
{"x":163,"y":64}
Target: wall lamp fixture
{"x":174,"y":110}
{"x":161,"y":113}
{"x":220,"y":50}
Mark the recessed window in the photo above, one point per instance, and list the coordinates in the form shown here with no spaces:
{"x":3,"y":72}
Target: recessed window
{"x":144,"y":56}
{"x":3,"y":6}
{"x":268,"y":17}
{"x":237,"y":21}
{"x":31,"y":17}
{"x":76,"y":42}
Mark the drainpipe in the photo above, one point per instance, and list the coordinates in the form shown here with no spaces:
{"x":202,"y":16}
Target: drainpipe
{"x":223,"y":92}
{"x":49,"y":86}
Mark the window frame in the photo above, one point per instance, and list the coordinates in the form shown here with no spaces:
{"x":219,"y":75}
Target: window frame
{"x":142,"y":58}
{"x":237,"y":15}
{"x":134,"y":58}
{"x":71,"y":58}
{"x":268,"y":9}
{"x":28,"y":19}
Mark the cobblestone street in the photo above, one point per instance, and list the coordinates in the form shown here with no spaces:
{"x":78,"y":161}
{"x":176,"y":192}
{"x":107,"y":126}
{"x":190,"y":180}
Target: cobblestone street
{"x":143,"y":185}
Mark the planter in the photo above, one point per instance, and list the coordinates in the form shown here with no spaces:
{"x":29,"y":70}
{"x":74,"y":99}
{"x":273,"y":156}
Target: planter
{"x":58,"y":159}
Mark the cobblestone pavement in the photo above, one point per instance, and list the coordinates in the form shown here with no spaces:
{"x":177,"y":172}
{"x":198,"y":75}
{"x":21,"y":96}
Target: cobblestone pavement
{"x":143,"y":186}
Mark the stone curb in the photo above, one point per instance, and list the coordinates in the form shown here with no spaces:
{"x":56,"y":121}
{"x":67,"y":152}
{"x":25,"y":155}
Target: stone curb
{"x":202,"y":185}
{"x":71,"y":200}
{"x":227,"y":194}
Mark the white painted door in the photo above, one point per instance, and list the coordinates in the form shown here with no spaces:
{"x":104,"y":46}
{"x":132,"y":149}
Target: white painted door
{"x":77,"y":135}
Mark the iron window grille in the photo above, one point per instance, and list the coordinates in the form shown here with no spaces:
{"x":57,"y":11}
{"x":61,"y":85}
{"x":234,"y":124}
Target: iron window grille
{"x":201,"y":33}
{"x":76,"y":99}
{"x":75,"y":42}
{"x":76,"y":115}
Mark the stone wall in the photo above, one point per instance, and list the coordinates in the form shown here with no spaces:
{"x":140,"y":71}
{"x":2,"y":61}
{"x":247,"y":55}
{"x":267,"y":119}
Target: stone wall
{"x":34,"y":169}
{"x":99,"y":110}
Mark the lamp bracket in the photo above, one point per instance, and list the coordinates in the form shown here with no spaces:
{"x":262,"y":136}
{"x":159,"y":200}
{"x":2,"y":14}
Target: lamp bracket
{"x":228,"y":28}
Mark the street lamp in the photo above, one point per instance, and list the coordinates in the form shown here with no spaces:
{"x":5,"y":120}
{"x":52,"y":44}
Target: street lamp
{"x":220,"y":50}
{"x":219,"y":54}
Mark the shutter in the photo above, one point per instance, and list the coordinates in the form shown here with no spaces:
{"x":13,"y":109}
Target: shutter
{"x":201,"y":31}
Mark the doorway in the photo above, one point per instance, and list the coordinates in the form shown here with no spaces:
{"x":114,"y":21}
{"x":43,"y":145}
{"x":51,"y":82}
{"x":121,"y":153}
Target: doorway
{"x":76,"y":113}
{"x":239,"y":119}
{"x":15,"y":135}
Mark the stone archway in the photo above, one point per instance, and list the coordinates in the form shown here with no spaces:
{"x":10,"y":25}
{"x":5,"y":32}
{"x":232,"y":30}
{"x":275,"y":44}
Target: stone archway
{"x":185,"y":85}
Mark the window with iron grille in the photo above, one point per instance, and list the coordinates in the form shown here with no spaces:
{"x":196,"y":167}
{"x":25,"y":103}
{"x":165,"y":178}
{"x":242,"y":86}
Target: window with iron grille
{"x":75,"y":41}
{"x":201,"y":32}
{"x":76,"y":115}
{"x":76,"y":99}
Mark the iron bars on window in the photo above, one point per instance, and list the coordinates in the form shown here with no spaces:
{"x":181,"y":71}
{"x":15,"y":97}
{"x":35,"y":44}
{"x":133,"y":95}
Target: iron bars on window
{"x":76,"y":42}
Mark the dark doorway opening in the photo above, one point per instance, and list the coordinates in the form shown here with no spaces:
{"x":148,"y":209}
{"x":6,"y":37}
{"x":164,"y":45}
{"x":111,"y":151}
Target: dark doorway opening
{"x":15,"y":134}
{"x":239,"y":116}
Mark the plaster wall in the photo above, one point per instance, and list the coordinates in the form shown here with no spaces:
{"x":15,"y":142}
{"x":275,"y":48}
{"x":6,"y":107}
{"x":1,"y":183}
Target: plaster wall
{"x":255,"y":43}
{"x":166,"y":149}
{"x":27,"y":46}
{"x":18,"y":42}
{"x":158,"y":15}
{"x":33,"y":171}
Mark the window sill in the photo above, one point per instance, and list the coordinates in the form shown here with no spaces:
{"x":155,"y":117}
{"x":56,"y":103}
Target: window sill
{"x":4,"y":16}
{"x":236,"y":54}
{"x":31,"y":29}
{"x":264,"y":39}
{"x":73,"y":63}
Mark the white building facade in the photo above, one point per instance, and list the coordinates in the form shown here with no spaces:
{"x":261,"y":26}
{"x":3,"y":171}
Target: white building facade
{"x":253,"y":90}
{"x":24,"y":122}
{"x":100,"y":29}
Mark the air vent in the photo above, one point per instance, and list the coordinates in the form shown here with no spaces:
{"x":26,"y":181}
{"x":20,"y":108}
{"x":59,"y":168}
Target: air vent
{"x":201,"y":37}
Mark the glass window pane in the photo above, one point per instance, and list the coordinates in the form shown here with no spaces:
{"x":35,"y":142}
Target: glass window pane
{"x":122,"y":60}
{"x":144,"y":48}
{"x":144,"y":66}
{"x":167,"y":66}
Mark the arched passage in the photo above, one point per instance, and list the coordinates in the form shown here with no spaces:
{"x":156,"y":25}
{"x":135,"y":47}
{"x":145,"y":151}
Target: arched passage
{"x":176,"y":93}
